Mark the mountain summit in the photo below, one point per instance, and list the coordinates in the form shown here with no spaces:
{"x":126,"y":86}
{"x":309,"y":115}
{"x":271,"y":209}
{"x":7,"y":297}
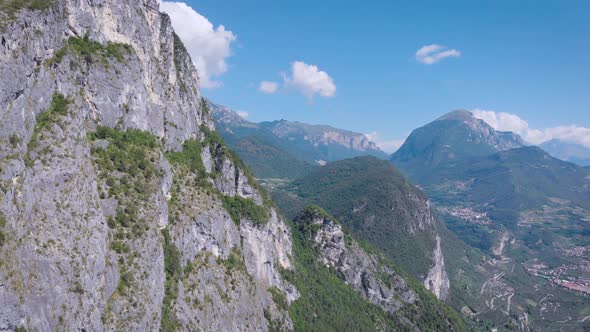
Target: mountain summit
{"x":453,"y":136}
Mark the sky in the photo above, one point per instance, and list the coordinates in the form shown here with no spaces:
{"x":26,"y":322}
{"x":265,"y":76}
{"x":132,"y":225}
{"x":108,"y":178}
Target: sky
{"x":384,"y":68}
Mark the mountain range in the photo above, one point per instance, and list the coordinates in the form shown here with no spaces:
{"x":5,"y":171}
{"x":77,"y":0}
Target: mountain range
{"x":128,"y":202}
{"x":123,"y":209}
{"x":506,"y":207}
{"x":285,"y":149}
{"x":516,"y":203}
{"x":572,"y":152}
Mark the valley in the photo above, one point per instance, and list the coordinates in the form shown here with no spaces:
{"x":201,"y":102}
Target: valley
{"x":133,"y":199}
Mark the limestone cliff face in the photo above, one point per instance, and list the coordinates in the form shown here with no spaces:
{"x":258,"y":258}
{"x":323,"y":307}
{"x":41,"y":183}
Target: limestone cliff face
{"x":318,"y":135}
{"x":365,"y":273}
{"x":437,"y":280}
{"x":104,"y":224}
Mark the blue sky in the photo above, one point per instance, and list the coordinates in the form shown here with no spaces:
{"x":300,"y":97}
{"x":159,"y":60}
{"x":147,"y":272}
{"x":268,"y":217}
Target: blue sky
{"x":530,"y":59}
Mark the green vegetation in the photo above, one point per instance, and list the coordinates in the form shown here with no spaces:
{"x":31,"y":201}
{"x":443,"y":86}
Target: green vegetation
{"x":328,"y":304}
{"x":364,"y":189}
{"x":12,"y":7}
{"x":57,"y":109}
{"x":130,"y":154}
{"x":14,"y":140}
{"x":279,"y":298}
{"x":2,"y":225}
{"x":233,"y":262}
{"x":90,"y":50}
{"x":190,"y":156}
{"x":173,"y":271}
{"x":244,"y":208}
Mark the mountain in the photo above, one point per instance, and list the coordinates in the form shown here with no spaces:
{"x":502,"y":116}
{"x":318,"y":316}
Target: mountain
{"x":121,"y":207}
{"x":454,"y":136}
{"x":321,"y":143}
{"x":284,"y":149}
{"x":260,"y":149}
{"x":572,"y":152}
{"x":376,"y":203}
{"x":525,"y":209}
{"x":331,"y":258}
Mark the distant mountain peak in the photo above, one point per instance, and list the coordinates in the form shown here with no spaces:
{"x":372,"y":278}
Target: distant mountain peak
{"x":460,"y":114}
{"x":568,"y":151}
{"x":453,"y":136}
{"x":306,"y":142}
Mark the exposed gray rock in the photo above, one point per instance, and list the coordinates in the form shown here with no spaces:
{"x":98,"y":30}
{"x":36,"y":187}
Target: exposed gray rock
{"x":364,"y":272}
{"x":484,"y":133}
{"x":65,"y":264}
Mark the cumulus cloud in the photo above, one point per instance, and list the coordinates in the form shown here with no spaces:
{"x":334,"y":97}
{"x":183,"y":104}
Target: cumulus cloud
{"x":309,"y":80}
{"x":505,"y":121}
{"x":430,"y":54}
{"x":208,"y":46}
{"x":268,"y":87}
{"x":243,"y":114}
{"x":510,"y":122}
{"x":389,"y":146}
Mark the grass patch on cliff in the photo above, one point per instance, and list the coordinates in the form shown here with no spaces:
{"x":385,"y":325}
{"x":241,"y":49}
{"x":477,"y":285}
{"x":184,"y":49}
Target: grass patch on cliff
{"x":244,"y":208}
{"x":190,"y":157}
{"x":128,"y":163}
{"x":279,"y":298}
{"x":12,"y":7}
{"x":233,"y":262}
{"x":90,"y":50}
{"x":57,"y":109}
{"x":173,"y":271}
{"x":2,"y":224}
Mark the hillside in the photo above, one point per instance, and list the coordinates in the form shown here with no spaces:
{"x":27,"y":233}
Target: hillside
{"x":332,"y":260}
{"x":321,"y":143}
{"x":524,"y":208}
{"x":260,"y":149}
{"x":377,"y":204}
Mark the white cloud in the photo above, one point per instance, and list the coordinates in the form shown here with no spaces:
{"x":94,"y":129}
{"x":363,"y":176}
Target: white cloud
{"x":433,"y":53}
{"x":309,"y":80}
{"x":505,"y":121}
{"x":208,"y":46}
{"x":243,"y":114}
{"x":268,"y":87}
{"x":389,"y":146}
{"x":510,"y":122}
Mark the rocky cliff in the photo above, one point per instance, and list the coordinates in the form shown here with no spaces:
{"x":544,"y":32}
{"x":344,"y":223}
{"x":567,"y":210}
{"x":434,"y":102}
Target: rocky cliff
{"x":322,"y":136}
{"x":370,"y":274}
{"x":377,"y":204}
{"x":121,"y":209}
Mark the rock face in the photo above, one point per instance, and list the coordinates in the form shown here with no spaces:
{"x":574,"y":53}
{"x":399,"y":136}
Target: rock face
{"x":437,"y":280}
{"x":377,"y":282}
{"x":483,"y":132}
{"x":109,"y":220}
{"x":321,"y":135}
